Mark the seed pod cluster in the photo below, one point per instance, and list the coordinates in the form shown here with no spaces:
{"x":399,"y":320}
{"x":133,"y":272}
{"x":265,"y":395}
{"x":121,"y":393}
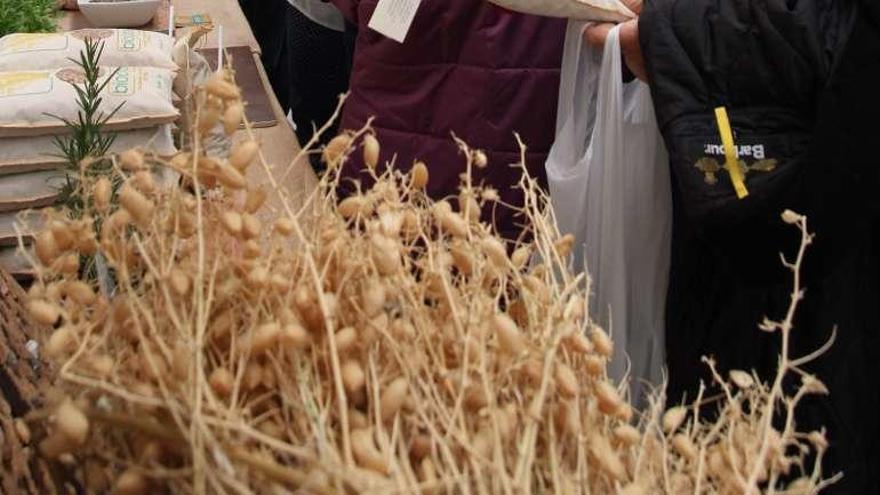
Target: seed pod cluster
{"x":387,"y":341}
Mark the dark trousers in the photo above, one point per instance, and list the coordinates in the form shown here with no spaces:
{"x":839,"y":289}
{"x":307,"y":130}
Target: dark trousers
{"x":269,"y":21}
{"x":307,"y":64}
{"x":320,"y":67}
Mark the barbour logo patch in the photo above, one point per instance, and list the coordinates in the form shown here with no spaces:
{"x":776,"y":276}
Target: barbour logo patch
{"x":755,"y":151}
{"x":711,"y":167}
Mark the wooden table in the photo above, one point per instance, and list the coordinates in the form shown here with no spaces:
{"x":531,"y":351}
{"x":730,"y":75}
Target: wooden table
{"x":279,"y":142}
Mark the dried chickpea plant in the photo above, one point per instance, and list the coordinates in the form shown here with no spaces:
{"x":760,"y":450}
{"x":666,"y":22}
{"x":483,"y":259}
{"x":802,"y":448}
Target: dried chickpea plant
{"x":389,"y":344}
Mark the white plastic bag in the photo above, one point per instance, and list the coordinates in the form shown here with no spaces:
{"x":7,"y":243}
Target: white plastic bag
{"x":610,"y":187}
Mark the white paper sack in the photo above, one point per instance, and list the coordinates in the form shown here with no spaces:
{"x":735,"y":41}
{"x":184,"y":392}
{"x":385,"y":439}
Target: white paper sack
{"x":584,"y":10}
{"x":26,"y":154}
{"x":30,"y":99}
{"x":122,"y":47}
{"x":30,"y":190}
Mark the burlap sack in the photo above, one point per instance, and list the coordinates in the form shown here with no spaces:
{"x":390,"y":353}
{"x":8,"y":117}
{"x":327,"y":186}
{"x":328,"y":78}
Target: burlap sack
{"x":29,"y":154}
{"x":29,"y":99}
{"x":122,"y":47}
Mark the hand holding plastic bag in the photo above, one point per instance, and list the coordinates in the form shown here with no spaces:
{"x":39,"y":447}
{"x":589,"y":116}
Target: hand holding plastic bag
{"x":610,"y":187}
{"x":630,"y":46}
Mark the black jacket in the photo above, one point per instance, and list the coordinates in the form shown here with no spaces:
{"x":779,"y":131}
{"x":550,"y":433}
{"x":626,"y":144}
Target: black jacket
{"x":800,"y":80}
{"x":767,"y":62}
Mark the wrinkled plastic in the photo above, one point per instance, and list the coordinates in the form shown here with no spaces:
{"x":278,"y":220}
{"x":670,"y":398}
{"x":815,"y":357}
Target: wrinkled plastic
{"x":610,"y":186}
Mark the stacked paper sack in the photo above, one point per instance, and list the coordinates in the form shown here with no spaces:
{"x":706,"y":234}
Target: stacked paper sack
{"x":37,"y":74}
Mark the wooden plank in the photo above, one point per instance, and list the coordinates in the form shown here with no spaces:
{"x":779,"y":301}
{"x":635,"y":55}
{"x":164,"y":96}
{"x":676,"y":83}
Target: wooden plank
{"x":226,"y":13}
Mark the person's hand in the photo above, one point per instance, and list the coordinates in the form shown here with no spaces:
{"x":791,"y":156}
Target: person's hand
{"x":596,"y":35}
{"x":634,"y":5}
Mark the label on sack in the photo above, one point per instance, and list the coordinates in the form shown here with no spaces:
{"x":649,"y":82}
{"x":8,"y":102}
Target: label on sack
{"x":393,"y":18}
{"x":193,"y":20}
{"x":25,"y":83}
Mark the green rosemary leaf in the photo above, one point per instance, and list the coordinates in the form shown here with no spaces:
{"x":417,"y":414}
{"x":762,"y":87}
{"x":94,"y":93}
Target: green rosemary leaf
{"x":107,"y":80}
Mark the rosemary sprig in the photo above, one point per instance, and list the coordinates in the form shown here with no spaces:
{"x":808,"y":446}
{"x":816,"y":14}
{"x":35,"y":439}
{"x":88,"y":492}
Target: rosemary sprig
{"x":85,"y":146}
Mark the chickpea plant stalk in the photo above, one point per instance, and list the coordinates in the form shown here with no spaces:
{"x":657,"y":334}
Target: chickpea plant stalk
{"x":380,"y":343}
